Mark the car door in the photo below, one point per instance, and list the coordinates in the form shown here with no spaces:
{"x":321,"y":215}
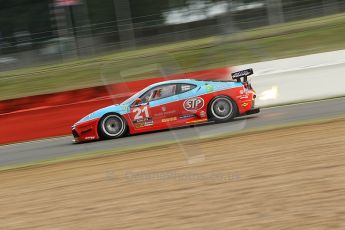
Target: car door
{"x":190,"y":101}
{"x":156,"y":110}
{"x":141,"y":116}
{"x":164,"y":106}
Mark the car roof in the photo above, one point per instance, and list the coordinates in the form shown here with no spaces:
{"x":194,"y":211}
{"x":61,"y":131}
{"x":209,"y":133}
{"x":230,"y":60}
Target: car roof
{"x":174,"y":82}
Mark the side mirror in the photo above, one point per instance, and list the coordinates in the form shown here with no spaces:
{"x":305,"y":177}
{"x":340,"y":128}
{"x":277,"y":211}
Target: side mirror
{"x":137,"y":102}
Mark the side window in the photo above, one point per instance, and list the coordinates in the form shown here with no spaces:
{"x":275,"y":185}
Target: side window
{"x":185,"y":87}
{"x":159,"y":92}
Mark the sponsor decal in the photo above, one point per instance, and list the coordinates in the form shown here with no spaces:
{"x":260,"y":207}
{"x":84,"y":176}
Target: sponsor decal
{"x":170,"y":119}
{"x":197,"y":121}
{"x":244,"y":104}
{"x":125,"y":108}
{"x":193,"y":104}
{"x":90,"y":138}
{"x":187,"y":116}
{"x":141,"y":113}
{"x":244,"y":97}
{"x":242,"y":73}
{"x":148,"y":123}
{"x":165,"y":113}
{"x":164,"y":108}
{"x":139,"y":125}
{"x":209,"y":88}
{"x":143,"y":122}
{"x":202,"y":114}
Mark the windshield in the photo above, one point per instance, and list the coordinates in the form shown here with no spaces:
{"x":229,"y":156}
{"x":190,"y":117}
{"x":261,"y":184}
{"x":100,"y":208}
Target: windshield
{"x":135,"y":96}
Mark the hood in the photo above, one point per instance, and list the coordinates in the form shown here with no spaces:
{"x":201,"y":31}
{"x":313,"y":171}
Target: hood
{"x":120,"y":109}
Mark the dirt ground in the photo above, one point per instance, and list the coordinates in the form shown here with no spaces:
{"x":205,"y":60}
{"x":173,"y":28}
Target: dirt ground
{"x":292,"y":178}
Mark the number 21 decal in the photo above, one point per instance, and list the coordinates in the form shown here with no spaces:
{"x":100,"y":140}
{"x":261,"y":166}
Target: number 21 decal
{"x":140,"y":112}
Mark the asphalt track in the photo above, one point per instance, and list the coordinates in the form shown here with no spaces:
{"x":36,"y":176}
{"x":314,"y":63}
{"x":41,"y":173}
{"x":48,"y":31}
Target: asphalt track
{"x":49,"y":149}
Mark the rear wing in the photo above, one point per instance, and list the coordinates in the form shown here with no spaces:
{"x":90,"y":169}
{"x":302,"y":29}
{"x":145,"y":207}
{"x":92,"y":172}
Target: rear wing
{"x":242,"y":74}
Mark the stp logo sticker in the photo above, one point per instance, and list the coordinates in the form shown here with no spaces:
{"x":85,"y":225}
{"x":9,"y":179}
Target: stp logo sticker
{"x":193,"y":104}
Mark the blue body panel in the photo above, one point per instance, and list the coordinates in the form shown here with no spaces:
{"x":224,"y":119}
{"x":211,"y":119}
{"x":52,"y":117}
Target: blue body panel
{"x":120,"y":109}
{"x":203,"y":87}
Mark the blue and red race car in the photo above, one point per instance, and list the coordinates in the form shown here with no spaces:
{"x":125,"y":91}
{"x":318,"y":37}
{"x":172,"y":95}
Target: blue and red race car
{"x":171,"y":104}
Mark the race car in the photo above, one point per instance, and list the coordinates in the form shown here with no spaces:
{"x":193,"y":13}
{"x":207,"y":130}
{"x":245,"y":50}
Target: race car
{"x":171,"y":104}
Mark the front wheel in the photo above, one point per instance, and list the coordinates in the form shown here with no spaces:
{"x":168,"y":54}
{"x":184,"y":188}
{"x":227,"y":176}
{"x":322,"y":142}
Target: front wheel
{"x":112,"y":126}
{"x":222,"y":109}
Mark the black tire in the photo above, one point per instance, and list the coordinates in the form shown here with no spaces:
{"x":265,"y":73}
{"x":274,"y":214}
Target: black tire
{"x":112,"y":126}
{"x":222,"y":109}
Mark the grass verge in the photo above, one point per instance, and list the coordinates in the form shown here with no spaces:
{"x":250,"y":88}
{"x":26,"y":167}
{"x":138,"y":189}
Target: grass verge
{"x":265,"y":43}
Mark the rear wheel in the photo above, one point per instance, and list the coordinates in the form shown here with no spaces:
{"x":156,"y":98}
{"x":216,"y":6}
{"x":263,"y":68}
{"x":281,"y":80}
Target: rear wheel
{"x":222,"y":109}
{"x":112,"y":126}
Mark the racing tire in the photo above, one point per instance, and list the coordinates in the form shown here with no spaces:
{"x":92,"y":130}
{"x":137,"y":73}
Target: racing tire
{"x":222,"y":109}
{"x":112,"y":126}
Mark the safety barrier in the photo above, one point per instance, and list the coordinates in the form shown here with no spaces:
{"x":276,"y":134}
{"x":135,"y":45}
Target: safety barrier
{"x":297,"y":79}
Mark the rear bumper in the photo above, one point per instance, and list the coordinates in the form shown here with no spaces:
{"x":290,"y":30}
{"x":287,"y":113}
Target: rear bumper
{"x":246,"y":104}
{"x":253,"y":111}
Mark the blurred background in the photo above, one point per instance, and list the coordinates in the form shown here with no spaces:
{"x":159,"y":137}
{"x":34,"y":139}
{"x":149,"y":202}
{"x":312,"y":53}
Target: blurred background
{"x":56,"y":45}
{"x":60,"y":58}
